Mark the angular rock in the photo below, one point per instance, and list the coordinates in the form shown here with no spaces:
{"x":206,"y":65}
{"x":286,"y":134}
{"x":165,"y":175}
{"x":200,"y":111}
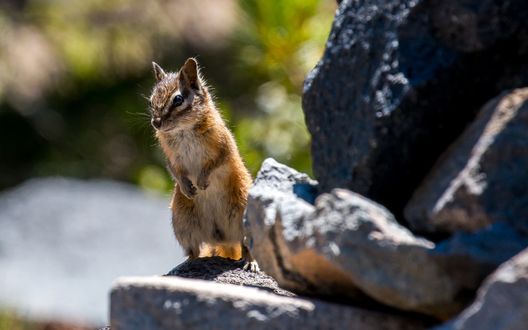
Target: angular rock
{"x":400,"y":80}
{"x":348,"y":241}
{"x":344,"y":246}
{"x":483,"y":177}
{"x":349,"y":248}
{"x":275,"y":185}
{"x":173,"y":303}
{"x":227,"y":271}
{"x":469,"y":257}
{"x":502,"y":302}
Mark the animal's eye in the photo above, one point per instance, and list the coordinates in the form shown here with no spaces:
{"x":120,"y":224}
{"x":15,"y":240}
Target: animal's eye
{"x":177,"y":101}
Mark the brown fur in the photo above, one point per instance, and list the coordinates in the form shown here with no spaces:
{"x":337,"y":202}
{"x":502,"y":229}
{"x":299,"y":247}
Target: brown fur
{"x":212,"y":181}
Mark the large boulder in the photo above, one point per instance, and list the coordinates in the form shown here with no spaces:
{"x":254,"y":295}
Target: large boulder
{"x":348,"y":241}
{"x":483,"y":177}
{"x":400,"y":80}
{"x":343,"y":247}
{"x":502,"y":302}
{"x":163,"y":303}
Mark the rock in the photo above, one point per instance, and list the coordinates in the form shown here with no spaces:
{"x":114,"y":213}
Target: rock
{"x":275,"y":185}
{"x":227,"y":271}
{"x":469,"y":257}
{"x":344,"y":247}
{"x":502,"y":302}
{"x":400,"y":80}
{"x":482,"y":178}
{"x":158,"y":303}
{"x":348,"y":241}
{"x":76,"y":237}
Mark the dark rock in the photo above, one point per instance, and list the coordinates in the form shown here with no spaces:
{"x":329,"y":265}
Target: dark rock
{"x":227,"y":271}
{"x":483,"y":177}
{"x":502,"y":302}
{"x":400,"y":80}
{"x":469,"y":257}
{"x":174,"y":303}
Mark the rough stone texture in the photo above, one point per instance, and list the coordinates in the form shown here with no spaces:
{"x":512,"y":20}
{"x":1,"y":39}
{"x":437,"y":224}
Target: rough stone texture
{"x":346,"y":247}
{"x":469,"y":257}
{"x":275,"y":185}
{"x":483,"y":177}
{"x":502,"y":302}
{"x":76,"y":237}
{"x":227,"y":271}
{"x":349,"y":241}
{"x":174,"y":303}
{"x":400,"y":80}
{"x":343,"y":247}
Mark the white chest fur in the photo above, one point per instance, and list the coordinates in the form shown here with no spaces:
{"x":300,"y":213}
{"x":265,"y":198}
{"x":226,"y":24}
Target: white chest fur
{"x":189,"y":152}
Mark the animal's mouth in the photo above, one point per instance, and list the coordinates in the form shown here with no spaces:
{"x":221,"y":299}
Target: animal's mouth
{"x":168,"y":129}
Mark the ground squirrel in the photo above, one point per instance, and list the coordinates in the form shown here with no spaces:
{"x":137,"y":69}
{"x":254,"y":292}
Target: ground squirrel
{"x":212,"y":181}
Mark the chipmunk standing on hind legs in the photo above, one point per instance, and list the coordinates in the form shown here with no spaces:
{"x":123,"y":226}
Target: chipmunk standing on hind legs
{"x":212,"y":181}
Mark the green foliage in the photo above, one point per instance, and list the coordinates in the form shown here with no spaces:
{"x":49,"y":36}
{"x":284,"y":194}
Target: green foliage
{"x":10,"y":321}
{"x":74,"y":76}
{"x":279,"y":42}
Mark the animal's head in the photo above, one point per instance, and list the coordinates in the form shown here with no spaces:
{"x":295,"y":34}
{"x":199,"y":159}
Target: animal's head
{"x":178,"y":100}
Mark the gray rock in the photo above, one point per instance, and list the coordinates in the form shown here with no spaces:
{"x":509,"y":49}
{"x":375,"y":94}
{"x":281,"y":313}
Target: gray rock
{"x":343,"y":247}
{"x":158,"y":303}
{"x":348,"y":241}
{"x":227,"y":271}
{"x":502,"y":302}
{"x":469,"y":257}
{"x":275,"y":185}
{"x":400,"y":80}
{"x":63,"y":242}
{"x":482,"y":178}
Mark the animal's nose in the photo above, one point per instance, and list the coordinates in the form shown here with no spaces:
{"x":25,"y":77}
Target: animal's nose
{"x":156,"y":122}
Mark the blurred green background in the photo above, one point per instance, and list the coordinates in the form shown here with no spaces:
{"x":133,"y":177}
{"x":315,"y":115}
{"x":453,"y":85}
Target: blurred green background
{"x":74,"y":76}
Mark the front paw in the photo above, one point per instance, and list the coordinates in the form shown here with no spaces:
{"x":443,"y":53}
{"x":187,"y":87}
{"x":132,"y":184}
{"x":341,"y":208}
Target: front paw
{"x":202,"y":182}
{"x":187,"y":188}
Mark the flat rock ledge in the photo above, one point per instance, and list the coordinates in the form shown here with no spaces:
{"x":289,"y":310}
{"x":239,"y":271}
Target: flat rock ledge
{"x":172,"y":302}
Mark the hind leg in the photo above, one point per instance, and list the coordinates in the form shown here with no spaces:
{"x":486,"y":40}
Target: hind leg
{"x":192,"y":253}
{"x":184,"y":225}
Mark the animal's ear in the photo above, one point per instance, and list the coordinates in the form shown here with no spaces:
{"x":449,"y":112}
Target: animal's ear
{"x":189,"y":73}
{"x":159,"y":74}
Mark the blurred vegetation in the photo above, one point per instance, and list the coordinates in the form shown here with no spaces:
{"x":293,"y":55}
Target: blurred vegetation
{"x":8,"y":321}
{"x":74,"y":76}
{"x":12,"y":321}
